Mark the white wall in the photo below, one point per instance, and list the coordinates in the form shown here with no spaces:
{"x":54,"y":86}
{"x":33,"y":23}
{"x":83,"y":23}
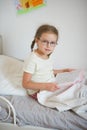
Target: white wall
{"x":70,"y":16}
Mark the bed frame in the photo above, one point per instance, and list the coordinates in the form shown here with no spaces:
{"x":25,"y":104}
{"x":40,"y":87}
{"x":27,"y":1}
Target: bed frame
{"x":1,"y":44}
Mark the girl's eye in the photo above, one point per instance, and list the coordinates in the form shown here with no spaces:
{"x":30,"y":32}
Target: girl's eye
{"x":45,"y":41}
{"x":53,"y":43}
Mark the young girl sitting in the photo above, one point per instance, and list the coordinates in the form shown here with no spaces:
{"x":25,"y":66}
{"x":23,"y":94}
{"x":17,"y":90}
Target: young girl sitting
{"x":38,"y":69}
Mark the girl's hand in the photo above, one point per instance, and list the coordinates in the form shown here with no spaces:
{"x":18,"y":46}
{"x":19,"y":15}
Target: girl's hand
{"x":51,"y":87}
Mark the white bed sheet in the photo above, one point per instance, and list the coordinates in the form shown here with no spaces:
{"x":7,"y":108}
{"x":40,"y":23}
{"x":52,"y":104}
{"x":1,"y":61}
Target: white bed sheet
{"x":28,"y":111}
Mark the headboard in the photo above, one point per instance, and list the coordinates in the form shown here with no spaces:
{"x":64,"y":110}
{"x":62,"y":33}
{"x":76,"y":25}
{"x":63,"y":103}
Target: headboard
{"x":1,"y":44}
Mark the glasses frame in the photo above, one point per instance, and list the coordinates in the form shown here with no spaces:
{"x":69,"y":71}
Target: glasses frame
{"x":46,"y":42}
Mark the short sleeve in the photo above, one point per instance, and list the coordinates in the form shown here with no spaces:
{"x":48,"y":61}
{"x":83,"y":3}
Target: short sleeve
{"x":29,"y":64}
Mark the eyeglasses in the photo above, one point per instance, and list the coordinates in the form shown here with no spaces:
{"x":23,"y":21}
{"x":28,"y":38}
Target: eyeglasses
{"x":46,"y":43}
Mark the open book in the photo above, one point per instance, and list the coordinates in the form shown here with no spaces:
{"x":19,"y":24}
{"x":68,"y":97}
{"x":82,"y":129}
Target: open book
{"x":68,"y":79}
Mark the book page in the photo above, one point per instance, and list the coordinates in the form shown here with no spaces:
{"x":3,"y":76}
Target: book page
{"x":68,"y":79}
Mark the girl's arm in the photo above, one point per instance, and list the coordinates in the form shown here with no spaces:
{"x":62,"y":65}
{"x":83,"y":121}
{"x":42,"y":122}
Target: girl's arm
{"x":62,"y":71}
{"x":29,"y":84}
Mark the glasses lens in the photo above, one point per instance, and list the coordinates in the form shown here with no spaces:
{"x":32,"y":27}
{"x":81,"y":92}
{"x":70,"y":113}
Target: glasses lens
{"x":45,"y":42}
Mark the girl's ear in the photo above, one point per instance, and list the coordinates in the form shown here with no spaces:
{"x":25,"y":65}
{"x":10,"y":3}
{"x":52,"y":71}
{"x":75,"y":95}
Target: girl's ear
{"x":36,"y":40}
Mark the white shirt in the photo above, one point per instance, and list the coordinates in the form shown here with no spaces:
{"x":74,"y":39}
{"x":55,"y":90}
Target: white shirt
{"x":41,"y":69}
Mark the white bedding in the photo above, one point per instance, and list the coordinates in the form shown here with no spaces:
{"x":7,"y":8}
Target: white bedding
{"x":11,"y":71}
{"x":70,"y":96}
{"x":28,"y":111}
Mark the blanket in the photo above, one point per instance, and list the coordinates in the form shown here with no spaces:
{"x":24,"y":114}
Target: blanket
{"x":70,"y":96}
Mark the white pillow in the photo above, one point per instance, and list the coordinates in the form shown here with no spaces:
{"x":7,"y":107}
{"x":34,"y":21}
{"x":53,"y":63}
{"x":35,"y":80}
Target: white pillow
{"x":11,"y":71}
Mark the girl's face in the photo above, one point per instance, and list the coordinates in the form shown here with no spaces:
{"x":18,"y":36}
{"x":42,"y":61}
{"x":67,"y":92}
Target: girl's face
{"x":46,"y":43}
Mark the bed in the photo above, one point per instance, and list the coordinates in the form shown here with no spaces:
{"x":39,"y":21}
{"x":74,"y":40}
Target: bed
{"x":19,"y":111}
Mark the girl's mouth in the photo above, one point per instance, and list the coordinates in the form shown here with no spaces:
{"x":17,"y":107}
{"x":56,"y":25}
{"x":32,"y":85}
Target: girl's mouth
{"x":47,"y":50}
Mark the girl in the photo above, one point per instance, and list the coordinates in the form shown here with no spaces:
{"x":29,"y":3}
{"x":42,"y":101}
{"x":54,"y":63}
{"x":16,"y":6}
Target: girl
{"x":38,"y":70}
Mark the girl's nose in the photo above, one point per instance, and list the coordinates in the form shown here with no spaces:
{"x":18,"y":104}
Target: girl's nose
{"x":48,"y":44}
